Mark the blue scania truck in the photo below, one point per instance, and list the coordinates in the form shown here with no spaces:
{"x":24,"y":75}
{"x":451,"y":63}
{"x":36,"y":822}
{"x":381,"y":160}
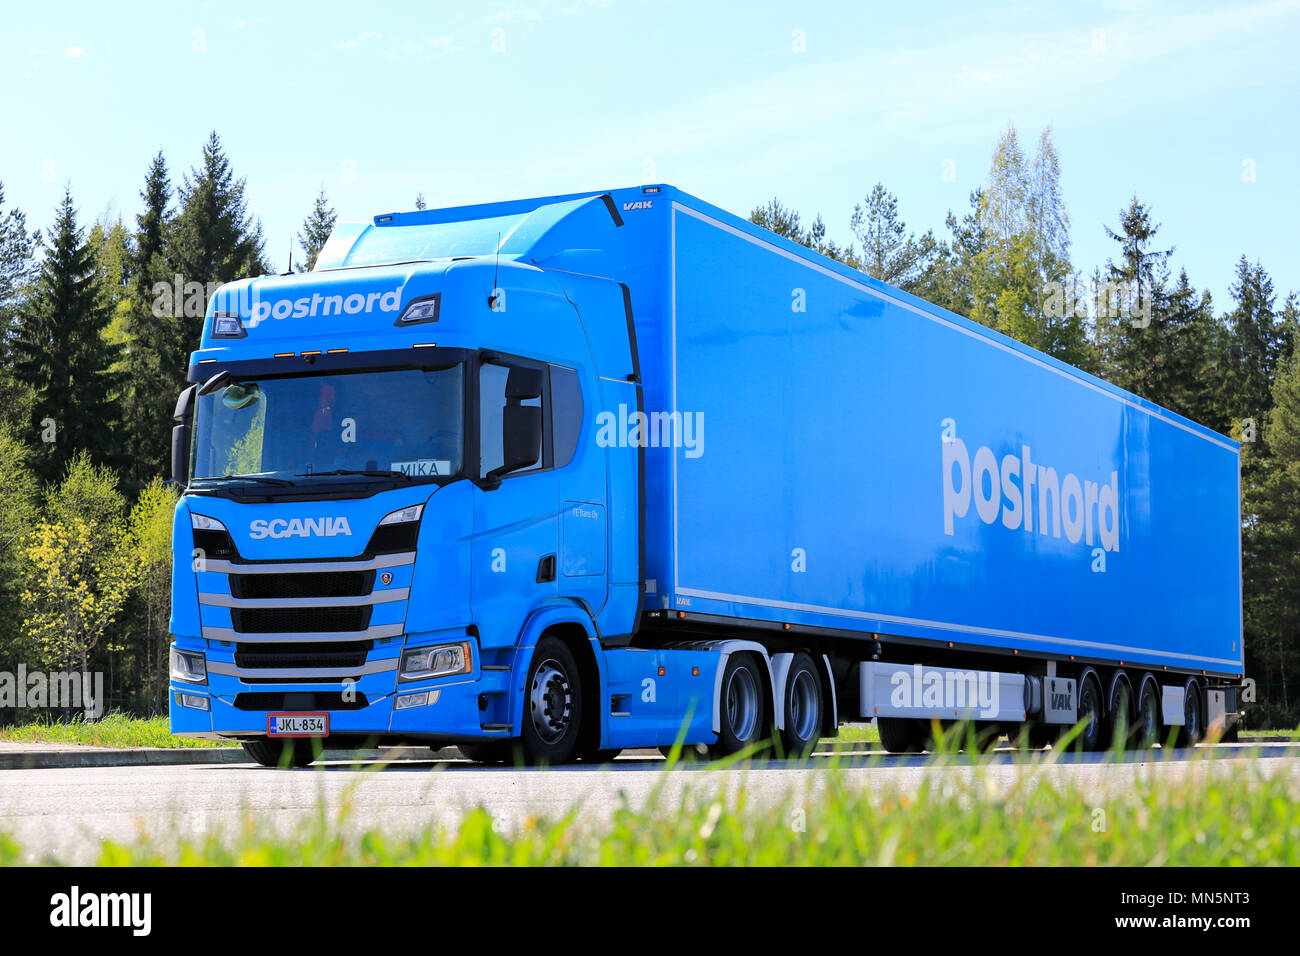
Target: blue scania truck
{"x":552,"y":478}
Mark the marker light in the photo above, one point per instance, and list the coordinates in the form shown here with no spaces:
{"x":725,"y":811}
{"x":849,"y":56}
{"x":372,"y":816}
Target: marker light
{"x":204,"y":523}
{"x":227,"y":325}
{"x":406,"y":514}
{"x":420,"y":311}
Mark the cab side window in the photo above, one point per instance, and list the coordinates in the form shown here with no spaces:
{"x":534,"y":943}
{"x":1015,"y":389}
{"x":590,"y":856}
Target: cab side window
{"x":514,"y":434}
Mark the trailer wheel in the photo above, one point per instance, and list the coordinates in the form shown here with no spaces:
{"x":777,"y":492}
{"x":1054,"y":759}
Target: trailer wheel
{"x":552,"y":704}
{"x":1090,"y":709}
{"x":280,"y":753}
{"x":901,"y":735}
{"x":743,"y":720}
{"x":803,"y":707}
{"x":1192,"y":732}
{"x":1120,"y":725}
{"x":1148,"y":717}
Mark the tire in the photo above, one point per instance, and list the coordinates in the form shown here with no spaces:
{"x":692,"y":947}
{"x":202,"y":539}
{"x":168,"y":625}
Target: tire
{"x":743,"y":719}
{"x":803,"y":707}
{"x":1119,"y":723}
{"x":1092,"y":739}
{"x":1147,"y":727}
{"x":552,"y":705}
{"x":492,"y":751}
{"x":281,"y":753}
{"x":901,"y":735}
{"x":1193,"y":730}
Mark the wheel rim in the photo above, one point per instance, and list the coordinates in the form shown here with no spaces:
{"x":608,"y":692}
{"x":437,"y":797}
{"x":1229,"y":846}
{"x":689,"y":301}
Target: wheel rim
{"x":742,"y":703}
{"x":550,"y":701}
{"x":805,"y":706}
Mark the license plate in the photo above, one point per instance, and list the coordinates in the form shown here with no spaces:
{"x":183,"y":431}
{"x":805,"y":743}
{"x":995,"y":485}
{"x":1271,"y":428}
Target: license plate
{"x":297,"y":725}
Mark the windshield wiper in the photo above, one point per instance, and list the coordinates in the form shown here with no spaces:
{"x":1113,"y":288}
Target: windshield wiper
{"x":256,"y":478}
{"x":369,"y":473}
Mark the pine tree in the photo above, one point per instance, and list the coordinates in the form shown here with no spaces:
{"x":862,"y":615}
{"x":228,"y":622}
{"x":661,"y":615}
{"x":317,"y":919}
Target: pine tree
{"x":316,"y":228}
{"x":1271,"y":554}
{"x":1131,"y":307}
{"x":156,"y":361}
{"x":1193,"y":341}
{"x":1255,"y":344}
{"x":787,"y":223}
{"x":215,"y":238}
{"x":60,"y":350}
{"x":889,"y":251}
{"x":17,"y":263}
{"x":18,"y":248}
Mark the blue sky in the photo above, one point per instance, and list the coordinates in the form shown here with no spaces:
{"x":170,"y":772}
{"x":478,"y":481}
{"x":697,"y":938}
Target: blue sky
{"x":471,"y":102}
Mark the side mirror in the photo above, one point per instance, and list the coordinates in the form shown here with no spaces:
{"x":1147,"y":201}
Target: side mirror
{"x":181,"y":436}
{"x":180,"y":454}
{"x":521,"y":439}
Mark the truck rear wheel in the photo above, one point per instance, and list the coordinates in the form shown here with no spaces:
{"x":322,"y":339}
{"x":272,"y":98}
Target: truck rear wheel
{"x":552,"y":704}
{"x":803,"y":708}
{"x":280,"y":753}
{"x":742,"y":718}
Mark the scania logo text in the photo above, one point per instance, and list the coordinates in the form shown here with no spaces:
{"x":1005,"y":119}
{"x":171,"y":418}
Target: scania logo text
{"x":298,"y":528}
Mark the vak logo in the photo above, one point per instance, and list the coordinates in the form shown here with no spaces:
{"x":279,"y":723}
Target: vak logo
{"x":298,"y":527}
{"x":641,"y":204}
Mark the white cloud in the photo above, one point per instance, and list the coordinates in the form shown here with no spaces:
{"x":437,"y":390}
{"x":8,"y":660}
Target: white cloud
{"x":74,"y":53}
{"x":356,"y":42}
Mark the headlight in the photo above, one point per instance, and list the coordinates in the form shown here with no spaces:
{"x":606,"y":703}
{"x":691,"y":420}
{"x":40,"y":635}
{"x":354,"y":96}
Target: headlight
{"x":440,"y":660}
{"x":406,"y":514}
{"x":204,"y":523}
{"x":189,"y":666}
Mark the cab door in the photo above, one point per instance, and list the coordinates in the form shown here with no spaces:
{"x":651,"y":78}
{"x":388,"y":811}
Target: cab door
{"x":516,"y":522}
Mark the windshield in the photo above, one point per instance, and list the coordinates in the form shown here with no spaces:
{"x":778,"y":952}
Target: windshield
{"x":290,"y":428}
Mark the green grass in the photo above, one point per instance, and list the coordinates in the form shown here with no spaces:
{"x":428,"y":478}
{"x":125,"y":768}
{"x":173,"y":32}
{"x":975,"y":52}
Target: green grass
{"x":1213,"y":813}
{"x":111,"y":730}
{"x":856,"y":733}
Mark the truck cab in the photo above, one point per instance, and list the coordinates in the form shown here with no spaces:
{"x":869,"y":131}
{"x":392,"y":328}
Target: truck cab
{"x":389,"y":505}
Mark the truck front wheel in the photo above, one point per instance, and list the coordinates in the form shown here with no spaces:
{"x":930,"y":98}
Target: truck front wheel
{"x":552,"y":704}
{"x":280,"y":753}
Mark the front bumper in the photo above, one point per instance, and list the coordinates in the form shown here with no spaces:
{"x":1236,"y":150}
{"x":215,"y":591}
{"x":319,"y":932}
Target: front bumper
{"x":459,"y":709}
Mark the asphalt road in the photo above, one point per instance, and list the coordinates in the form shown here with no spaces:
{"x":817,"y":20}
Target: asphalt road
{"x":66,"y":814}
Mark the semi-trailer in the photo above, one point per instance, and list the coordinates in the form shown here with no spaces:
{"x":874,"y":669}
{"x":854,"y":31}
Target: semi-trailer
{"x":558,"y":477}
